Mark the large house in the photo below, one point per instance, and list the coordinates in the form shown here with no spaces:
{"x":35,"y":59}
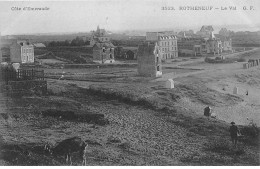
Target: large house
{"x":99,"y":36}
{"x":205,"y":42}
{"x":21,"y":51}
{"x":149,"y":60}
{"x":205,"y":31}
{"x":167,"y":42}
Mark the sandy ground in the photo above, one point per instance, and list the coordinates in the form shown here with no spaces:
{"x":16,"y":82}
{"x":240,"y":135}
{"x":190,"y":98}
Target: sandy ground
{"x":223,"y":78}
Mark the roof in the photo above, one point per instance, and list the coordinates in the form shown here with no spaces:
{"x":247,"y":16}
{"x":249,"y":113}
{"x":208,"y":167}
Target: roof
{"x":23,"y":43}
{"x":206,"y":28}
{"x":168,"y":37}
{"x":39,"y":45}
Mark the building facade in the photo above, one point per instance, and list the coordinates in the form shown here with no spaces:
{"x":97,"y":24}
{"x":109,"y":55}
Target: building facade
{"x":21,"y":51}
{"x":103,"y":52}
{"x":103,"y":49}
{"x":167,"y":42}
{"x":149,"y":60}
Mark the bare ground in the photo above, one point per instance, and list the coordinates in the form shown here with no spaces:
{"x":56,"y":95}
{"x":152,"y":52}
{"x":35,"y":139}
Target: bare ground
{"x":148,"y":124}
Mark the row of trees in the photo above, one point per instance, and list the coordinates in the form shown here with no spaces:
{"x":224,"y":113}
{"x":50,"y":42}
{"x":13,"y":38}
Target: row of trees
{"x":78,"y":41}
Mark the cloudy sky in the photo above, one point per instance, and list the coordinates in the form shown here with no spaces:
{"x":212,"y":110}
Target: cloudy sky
{"x":118,"y":15}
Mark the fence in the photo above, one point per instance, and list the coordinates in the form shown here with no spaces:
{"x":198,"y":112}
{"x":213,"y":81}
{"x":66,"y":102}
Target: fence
{"x":22,"y":75}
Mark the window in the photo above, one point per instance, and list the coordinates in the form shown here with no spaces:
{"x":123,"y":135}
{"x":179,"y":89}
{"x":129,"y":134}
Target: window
{"x":158,"y":68}
{"x":157,"y":59}
{"x":172,"y":42}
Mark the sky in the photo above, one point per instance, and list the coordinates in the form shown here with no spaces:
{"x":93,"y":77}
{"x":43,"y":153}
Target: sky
{"x":121,"y":15}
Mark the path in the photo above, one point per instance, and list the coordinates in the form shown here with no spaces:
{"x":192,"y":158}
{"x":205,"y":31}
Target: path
{"x":172,"y":75}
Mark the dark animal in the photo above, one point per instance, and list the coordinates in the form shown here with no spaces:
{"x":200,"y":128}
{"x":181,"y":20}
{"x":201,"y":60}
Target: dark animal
{"x":67,"y":147}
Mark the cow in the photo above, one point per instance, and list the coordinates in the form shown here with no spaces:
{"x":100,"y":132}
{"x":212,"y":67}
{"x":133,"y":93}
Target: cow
{"x":66,"y":148}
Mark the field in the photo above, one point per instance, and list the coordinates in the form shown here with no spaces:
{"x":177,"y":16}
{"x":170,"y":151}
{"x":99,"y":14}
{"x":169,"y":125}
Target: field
{"x":148,"y":124}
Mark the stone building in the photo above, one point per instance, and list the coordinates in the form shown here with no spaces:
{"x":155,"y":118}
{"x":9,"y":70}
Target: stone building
{"x":103,"y":52}
{"x":21,"y":51}
{"x":167,"y":42}
{"x":149,"y":60}
{"x":103,"y":49}
{"x":99,"y":36}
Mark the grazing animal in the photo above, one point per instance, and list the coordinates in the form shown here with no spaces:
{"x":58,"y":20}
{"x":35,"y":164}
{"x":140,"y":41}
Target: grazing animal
{"x":67,"y":147}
